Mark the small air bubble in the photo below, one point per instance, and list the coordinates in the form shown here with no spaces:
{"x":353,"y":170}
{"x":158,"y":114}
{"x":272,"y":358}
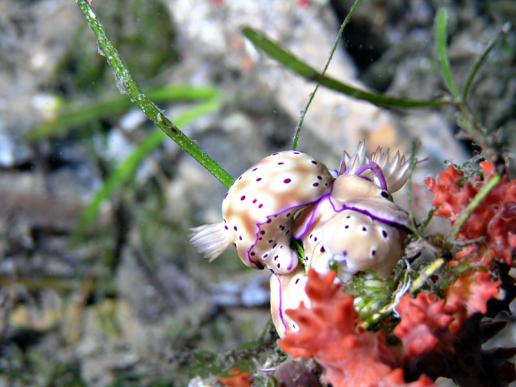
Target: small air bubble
{"x":99,"y":50}
{"x":91,"y":14}
{"x":120,"y":85}
{"x":160,"y":118}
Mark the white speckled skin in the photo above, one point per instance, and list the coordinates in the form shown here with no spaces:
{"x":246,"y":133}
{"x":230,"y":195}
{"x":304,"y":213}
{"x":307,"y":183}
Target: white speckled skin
{"x":287,"y":292}
{"x":355,"y":241}
{"x":259,"y":207}
{"x":356,"y":226}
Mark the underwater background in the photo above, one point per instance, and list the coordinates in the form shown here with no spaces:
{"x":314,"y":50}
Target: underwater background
{"x":99,"y":284}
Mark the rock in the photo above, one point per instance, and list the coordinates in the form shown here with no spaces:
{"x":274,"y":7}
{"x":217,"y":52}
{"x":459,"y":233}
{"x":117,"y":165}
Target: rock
{"x":296,"y":374}
{"x":436,"y":141}
{"x":250,"y":292}
{"x":34,"y":47}
{"x":11,"y":153}
{"x":25,"y":201}
{"x":336,"y":120}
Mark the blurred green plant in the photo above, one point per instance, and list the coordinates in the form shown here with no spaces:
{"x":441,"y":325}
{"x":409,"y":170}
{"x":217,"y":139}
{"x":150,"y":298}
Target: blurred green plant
{"x":472,"y":74}
{"x":72,"y":115}
{"x":471,"y":127}
{"x":65,"y":375}
{"x":126,"y":169}
{"x":441,"y":22}
{"x":127,"y":85}
{"x":293,"y":63}
{"x":83,"y":71}
{"x":297,"y":132}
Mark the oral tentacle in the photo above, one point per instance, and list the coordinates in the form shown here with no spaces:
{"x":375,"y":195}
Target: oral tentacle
{"x":377,"y":171}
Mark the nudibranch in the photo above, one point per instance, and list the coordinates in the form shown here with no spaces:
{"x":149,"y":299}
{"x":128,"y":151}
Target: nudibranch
{"x":357,"y":226}
{"x":348,"y":221}
{"x":259,"y":208}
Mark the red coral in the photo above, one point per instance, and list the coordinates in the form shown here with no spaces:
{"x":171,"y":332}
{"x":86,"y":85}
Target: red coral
{"x":493,"y":219}
{"x":474,"y":254}
{"x":329,"y":332}
{"x":450,"y":197}
{"x":237,"y":378}
{"x":430,"y":324}
{"x":424,"y":324}
{"x":501,"y":229}
{"x":396,"y":379}
{"x":471,"y":292}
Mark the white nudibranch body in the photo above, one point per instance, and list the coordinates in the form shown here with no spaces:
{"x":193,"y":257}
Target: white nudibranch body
{"x":349,"y":221}
{"x":357,"y":227}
